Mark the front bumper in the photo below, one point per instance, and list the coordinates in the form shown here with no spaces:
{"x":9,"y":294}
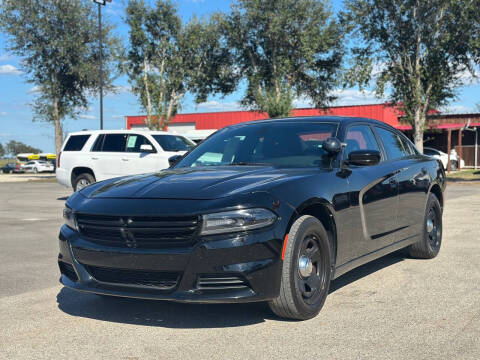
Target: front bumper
{"x":242,"y":267}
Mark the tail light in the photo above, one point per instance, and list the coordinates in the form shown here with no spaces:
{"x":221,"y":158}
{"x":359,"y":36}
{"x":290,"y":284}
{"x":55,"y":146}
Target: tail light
{"x":58,"y":159}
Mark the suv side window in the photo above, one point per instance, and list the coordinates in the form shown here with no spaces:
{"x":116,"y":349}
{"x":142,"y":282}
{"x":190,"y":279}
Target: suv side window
{"x":135,"y":141}
{"x":98,"y":143}
{"x":115,"y":142}
{"x":392,"y":143}
{"x":76,"y":142}
{"x":360,"y":137}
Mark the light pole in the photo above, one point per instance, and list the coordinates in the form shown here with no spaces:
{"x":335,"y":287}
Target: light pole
{"x":100,"y":41}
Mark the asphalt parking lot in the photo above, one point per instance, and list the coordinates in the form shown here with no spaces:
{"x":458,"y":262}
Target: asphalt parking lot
{"x":393,"y":308}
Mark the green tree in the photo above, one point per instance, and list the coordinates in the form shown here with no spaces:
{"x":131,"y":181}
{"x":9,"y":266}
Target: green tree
{"x":417,"y":51}
{"x":17,"y":147}
{"x":2,"y":151}
{"x":57,"y":41}
{"x":165,"y":59}
{"x":284,"y":49}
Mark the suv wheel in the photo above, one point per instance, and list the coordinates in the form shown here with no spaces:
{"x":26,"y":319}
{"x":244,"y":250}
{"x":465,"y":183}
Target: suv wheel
{"x":35,"y":170}
{"x":82,"y":180}
{"x":429,"y":246}
{"x":306,"y":271}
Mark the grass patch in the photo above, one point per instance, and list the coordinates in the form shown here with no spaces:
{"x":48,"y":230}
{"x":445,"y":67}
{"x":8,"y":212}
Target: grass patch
{"x":464,"y":175}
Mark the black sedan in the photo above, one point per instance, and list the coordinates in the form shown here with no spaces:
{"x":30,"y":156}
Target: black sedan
{"x":270,"y":210}
{"x":11,"y":168}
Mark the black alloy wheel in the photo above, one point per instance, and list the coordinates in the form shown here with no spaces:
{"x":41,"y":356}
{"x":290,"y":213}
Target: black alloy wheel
{"x":429,"y":246}
{"x":306,"y":271}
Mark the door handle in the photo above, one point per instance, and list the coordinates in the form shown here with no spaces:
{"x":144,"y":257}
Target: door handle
{"x":94,"y":158}
{"x":125,"y":159}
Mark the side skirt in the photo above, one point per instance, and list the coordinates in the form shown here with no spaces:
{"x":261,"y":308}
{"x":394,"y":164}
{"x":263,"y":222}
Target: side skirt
{"x":352,"y":264}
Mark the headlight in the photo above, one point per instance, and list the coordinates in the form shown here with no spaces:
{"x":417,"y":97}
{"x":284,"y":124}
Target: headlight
{"x":237,"y":220}
{"x":69,"y":218}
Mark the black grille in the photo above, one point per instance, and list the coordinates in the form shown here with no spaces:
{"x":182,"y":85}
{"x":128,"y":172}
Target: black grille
{"x":68,"y":271}
{"x":139,"y":231}
{"x":215,"y":282}
{"x":157,"y":279}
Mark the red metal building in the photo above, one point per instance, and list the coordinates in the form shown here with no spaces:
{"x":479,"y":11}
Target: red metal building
{"x":216,"y":120}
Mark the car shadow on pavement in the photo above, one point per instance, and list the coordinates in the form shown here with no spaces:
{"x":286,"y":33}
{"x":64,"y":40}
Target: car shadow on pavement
{"x":185,"y":316}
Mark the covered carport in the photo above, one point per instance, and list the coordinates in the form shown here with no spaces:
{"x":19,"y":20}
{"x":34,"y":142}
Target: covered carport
{"x":452,"y":131}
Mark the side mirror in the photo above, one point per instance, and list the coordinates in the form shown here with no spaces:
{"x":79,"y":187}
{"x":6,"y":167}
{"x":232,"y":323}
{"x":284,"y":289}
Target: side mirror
{"x":364,"y":157}
{"x":146,"y":148}
{"x":174,"y":160}
{"x":332,"y":146}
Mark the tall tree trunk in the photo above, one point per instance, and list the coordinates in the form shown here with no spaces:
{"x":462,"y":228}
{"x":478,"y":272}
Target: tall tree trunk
{"x":147,"y":93}
{"x":419,"y":125}
{"x":58,"y":127}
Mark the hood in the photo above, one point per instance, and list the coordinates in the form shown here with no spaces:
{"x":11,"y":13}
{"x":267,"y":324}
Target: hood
{"x":194,"y":183}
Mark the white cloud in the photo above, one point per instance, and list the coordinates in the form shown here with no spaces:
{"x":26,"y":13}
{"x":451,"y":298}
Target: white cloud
{"x":87,"y":117}
{"x":33,"y":90}
{"x":356,"y":97}
{"x":3,"y":113}
{"x":117,"y":117}
{"x":9,"y":70}
{"x":214,"y":106}
{"x":457,"y":109}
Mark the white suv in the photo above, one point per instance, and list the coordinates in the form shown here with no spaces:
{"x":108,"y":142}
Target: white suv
{"x":90,"y":156}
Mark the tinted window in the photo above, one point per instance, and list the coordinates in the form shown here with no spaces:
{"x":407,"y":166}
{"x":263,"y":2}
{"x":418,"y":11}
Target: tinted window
{"x":281,"y":144}
{"x":392,"y":143}
{"x":430,"y":152}
{"x":76,"y":142}
{"x":115,"y":142}
{"x":407,"y":150}
{"x":173,"y":142}
{"x":98,"y":143}
{"x":360,"y":137}
{"x":136,"y":141}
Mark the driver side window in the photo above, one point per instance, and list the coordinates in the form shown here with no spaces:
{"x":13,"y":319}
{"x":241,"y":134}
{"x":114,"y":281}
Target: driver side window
{"x":359,"y":137}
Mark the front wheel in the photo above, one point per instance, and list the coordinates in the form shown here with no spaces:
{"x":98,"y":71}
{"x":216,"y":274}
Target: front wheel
{"x":306,"y":271}
{"x":429,"y":246}
{"x":35,"y":170}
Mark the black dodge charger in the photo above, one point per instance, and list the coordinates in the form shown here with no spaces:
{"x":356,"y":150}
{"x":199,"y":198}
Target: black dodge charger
{"x":269,"y":210}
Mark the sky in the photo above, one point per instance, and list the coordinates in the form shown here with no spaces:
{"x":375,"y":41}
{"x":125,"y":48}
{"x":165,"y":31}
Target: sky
{"x":17,"y":121}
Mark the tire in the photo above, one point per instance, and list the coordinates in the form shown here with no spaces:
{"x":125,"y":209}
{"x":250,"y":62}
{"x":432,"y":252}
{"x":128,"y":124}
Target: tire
{"x":82,"y":180}
{"x":429,"y":246}
{"x":453,"y":165}
{"x":35,"y":170}
{"x":307,"y":238}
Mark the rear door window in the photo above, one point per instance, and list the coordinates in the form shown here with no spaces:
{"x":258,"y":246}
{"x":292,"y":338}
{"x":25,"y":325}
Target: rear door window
{"x":98,"y":143}
{"x":392,"y":143}
{"x":115,"y":143}
{"x":76,"y":142}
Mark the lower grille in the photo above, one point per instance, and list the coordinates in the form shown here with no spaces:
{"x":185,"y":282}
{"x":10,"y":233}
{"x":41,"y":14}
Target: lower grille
{"x":215,"y":282}
{"x":157,"y":279}
{"x":68,"y":271}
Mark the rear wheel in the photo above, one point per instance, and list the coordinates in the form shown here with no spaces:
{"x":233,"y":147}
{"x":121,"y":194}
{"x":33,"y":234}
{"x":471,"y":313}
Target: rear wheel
{"x":35,"y":170}
{"x":306,"y":271}
{"x":82,"y":181}
{"x":429,"y":246}
{"x":453,"y":165}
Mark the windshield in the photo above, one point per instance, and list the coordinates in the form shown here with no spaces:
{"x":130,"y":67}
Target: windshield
{"x":279,"y":144}
{"x":174,"y":142}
